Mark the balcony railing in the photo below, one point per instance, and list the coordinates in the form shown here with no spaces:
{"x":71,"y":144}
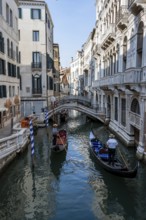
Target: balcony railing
{"x":108,"y":36}
{"x":97,"y":50}
{"x":135,"y":120}
{"x":130,"y":2}
{"x":136,"y":6}
{"x":36,"y":91}
{"x":122,"y":17}
{"x":86,"y":66}
{"x":135,"y":76}
{"x":36,"y":65}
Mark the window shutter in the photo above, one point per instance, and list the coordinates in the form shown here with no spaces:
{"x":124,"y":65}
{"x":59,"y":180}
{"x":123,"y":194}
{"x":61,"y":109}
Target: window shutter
{"x":39,"y":13}
{"x":31,"y":11}
{"x":4,"y":92}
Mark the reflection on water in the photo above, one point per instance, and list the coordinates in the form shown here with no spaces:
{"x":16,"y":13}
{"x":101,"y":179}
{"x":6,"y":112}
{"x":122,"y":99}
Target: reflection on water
{"x":70,"y":184}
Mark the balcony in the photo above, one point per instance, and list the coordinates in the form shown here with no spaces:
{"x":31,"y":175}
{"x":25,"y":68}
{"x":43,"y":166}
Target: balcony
{"x":108,"y":37}
{"x":127,"y":80}
{"x":37,"y":92}
{"x":36,"y":66}
{"x":122,"y":17}
{"x":97,"y":51}
{"x":135,"y":120}
{"x":136,"y":6}
{"x":86,"y":67}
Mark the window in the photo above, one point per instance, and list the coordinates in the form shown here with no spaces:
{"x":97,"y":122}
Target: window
{"x":1,"y":43}
{"x":13,"y":90}
{"x":11,"y":70}
{"x":2,"y":67}
{"x":135,"y":106}
{"x":36,"y":60}
{"x":7,"y":13}
{"x":20,"y":83}
{"x":123,"y":112}
{"x":18,"y":72}
{"x":8,"y":45}
{"x":1,"y":11}
{"x":35,"y":13}
{"x":36,"y":84}
{"x":19,"y":34}
{"x":19,"y":57}
{"x":12,"y":54}
{"x":11,"y":18}
{"x":17,"y":54}
{"x":19,"y":12}
{"x":48,"y":24}
{"x":49,"y":83}
{"x":10,"y":93}
{"x":35,"y":35}
{"x":116,"y":108}
{"x":36,"y":57}
{"x":3,"y":92}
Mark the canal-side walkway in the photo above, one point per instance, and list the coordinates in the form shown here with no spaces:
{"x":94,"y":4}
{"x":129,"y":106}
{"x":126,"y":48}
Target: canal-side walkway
{"x":5,"y":132}
{"x":12,"y":144}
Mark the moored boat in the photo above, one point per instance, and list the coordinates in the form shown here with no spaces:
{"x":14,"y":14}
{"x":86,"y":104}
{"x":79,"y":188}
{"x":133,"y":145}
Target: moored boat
{"x":100,"y":153}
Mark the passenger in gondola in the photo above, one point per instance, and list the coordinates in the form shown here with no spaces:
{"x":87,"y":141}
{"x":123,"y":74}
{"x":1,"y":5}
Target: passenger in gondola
{"x":112,"y":145}
{"x":54,"y":132}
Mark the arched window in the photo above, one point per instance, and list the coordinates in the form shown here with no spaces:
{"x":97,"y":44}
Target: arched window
{"x":139,"y":44}
{"x":124,"y":53}
{"x":135,"y":106}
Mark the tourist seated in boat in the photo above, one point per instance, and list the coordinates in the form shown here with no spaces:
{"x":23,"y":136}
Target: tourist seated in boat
{"x":61,"y":139}
{"x":112,"y":145}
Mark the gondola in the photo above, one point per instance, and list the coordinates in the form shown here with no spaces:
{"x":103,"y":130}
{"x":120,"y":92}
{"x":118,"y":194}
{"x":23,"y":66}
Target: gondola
{"x":100,"y":153}
{"x":59,"y":142}
{"x":56,"y":163}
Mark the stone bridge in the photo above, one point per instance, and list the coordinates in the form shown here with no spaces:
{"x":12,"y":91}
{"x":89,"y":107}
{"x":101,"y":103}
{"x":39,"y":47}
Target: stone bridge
{"x":81,"y":104}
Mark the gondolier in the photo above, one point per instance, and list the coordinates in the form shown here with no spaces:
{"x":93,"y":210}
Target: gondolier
{"x":112,"y":145}
{"x":54,"y":132}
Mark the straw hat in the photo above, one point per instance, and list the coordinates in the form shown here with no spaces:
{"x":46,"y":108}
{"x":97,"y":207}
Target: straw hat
{"x":111,"y":136}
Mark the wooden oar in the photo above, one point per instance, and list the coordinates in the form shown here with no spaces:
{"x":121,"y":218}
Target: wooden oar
{"x":122,"y":158}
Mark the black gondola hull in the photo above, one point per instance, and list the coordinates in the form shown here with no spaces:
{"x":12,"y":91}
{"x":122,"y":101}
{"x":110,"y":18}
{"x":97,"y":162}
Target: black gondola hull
{"x":118,"y":169}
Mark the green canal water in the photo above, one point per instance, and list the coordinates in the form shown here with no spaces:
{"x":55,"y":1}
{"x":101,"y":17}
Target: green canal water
{"x":70,"y":185}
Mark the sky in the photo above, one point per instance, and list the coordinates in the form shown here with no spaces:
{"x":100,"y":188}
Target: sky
{"x":73,"y":22}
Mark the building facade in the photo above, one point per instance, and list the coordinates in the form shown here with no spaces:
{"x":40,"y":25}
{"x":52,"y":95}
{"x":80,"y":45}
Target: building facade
{"x":9,"y":63}
{"x":36,"y":46}
{"x":56,"y":72}
{"x":65,"y":81}
{"x":117,"y":67}
{"x":76,"y":75}
{"x":120,"y":77}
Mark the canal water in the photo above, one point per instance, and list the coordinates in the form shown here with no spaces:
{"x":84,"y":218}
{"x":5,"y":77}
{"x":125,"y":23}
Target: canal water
{"x":70,"y":185}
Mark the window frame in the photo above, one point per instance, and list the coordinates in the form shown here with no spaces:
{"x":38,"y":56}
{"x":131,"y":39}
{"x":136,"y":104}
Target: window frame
{"x":35,"y":35}
{"x":35,"y":13}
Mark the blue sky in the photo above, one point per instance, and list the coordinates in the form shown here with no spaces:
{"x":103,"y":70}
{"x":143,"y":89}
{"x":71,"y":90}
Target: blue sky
{"x":73,"y":21}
